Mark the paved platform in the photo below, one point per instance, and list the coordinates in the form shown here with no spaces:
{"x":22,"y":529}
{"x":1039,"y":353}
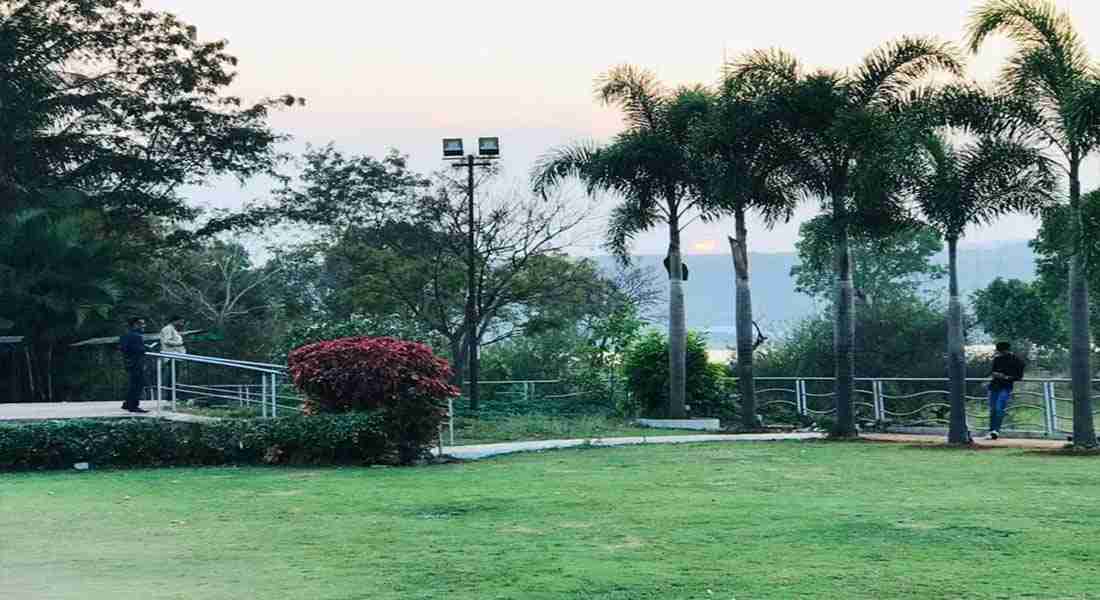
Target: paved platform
{"x":42,"y":411}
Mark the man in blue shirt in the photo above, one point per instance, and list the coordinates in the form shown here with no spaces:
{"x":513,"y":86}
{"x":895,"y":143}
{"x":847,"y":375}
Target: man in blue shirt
{"x":133,"y":355}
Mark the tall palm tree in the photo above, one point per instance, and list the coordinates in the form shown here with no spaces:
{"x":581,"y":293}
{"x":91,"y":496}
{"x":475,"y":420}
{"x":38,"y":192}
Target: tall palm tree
{"x":858,"y":146}
{"x":1052,"y":71}
{"x":972,"y":184}
{"x":746,"y":163}
{"x":649,"y":165}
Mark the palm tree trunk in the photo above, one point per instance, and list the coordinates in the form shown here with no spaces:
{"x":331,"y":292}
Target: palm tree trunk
{"x":844,"y":332}
{"x":677,"y":331}
{"x":958,"y":433}
{"x":1084,"y":431}
{"x":746,"y":384}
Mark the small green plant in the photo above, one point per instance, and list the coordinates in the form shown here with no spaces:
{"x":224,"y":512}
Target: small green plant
{"x":646,"y":368}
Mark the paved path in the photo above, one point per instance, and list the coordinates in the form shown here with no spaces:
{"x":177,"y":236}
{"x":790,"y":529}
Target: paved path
{"x":1029,"y":443}
{"x":487,"y":450}
{"x":39,"y":411}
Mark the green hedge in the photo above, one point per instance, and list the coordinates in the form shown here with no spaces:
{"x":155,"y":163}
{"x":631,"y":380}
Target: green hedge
{"x":316,"y":440}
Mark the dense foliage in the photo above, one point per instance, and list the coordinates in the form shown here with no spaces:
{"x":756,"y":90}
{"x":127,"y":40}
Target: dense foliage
{"x":320,"y":440}
{"x":402,"y":380}
{"x":645,"y":366}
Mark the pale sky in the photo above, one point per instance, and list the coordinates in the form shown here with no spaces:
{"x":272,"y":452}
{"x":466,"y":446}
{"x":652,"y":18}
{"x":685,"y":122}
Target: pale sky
{"x":383,"y":74}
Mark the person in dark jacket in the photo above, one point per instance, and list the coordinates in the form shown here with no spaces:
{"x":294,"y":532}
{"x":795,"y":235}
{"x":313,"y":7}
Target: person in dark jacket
{"x":1007,"y":369}
{"x":133,"y":355}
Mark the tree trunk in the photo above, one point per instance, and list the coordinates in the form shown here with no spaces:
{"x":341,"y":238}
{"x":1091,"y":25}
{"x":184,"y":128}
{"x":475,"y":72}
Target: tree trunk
{"x":958,"y":433}
{"x":49,"y":372}
{"x":30,"y":373}
{"x":677,"y":332}
{"x":844,"y":333}
{"x":746,"y":384}
{"x":458,"y":364}
{"x":1084,"y":431}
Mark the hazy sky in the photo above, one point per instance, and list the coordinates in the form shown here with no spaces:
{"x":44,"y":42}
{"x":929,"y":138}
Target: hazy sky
{"x":380,"y":74}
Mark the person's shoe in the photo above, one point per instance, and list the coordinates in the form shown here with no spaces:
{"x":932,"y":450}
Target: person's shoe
{"x":994,"y":435}
{"x":137,"y":410}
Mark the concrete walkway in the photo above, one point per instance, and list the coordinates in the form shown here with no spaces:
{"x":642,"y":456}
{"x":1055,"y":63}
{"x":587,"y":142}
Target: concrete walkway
{"x":475,"y":452}
{"x":487,"y":450}
{"x":42,"y":411}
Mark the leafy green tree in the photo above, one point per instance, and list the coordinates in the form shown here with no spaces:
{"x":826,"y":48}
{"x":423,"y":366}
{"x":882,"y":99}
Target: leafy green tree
{"x":56,"y":279}
{"x":650,"y":166}
{"x":392,"y":244}
{"x":966,"y":185}
{"x":126,"y":105}
{"x":858,"y":145}
{"x":1017,"y":311}
{"x":1052,"y":73}
{"x":887,"y":268}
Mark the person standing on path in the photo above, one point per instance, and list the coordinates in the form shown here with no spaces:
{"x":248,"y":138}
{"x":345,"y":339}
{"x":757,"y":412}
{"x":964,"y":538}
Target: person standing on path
{"x":133,"y":355}
{"x":1007,"y":369}
{"x":170,"y":338}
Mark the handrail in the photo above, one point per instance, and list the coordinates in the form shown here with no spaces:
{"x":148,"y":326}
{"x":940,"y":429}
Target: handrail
{"x":225,"y":362}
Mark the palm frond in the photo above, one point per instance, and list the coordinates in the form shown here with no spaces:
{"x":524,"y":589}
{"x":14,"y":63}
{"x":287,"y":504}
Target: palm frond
{"x":763,"y":69}
{"x":1032,"y":24}
{"x":626,"y":221}
{"x":561,"y":163}
{"x":894,"y":68}
{"x":635,"y":91}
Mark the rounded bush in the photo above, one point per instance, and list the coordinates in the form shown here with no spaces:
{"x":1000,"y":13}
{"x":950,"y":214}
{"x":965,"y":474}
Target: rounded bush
{"x":404,"y":381}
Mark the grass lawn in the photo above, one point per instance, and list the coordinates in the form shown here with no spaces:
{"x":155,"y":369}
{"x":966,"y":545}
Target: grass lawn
{"x":734,"y":520}
{"x":490,"y":429}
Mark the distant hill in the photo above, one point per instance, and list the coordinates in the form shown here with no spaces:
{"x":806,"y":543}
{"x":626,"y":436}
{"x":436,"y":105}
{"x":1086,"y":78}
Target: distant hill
{"x":776,"y":306}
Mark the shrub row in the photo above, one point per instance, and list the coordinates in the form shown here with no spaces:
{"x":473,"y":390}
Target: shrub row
{"x":361,"y":438}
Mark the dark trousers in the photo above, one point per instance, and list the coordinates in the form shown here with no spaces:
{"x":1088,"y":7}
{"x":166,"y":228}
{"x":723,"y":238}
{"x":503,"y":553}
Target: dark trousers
{"x":136,"y":388}
{"x":998,"y":403}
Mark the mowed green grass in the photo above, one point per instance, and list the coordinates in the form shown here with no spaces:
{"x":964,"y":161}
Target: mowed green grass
{"x":733,"y":520}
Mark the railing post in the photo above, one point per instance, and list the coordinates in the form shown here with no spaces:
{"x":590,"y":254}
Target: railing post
{"x":451,"y":418}
{"x":172,"y":365}
{"x":1050,"y":403}
{"x":274,"y":395}
{"x":160,"y":381}
{"x":800,"y":396}
{"x":263,"y":395}
{"x":876,"y":395}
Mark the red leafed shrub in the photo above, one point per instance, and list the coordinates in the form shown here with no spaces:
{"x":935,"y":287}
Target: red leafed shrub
{"x":404,"y":381}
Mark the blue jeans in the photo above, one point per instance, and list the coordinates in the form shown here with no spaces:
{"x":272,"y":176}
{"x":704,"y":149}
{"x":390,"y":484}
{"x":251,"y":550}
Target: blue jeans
{"x":998,"y":403}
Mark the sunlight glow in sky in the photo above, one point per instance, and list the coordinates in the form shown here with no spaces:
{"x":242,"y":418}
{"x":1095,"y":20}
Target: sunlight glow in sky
{"x":378,"y":75}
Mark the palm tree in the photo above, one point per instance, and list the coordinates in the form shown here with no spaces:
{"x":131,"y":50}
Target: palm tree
{"x":974,"y":184}
{"x":649,"y":166}
{"x":1052,"y":71}
{"x":746,"y":164}
{"x":858,"y":146}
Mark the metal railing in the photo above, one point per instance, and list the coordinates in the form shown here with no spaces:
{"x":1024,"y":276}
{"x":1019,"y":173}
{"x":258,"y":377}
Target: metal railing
{"x":252,"y":383}
{"x":1039,"y":405}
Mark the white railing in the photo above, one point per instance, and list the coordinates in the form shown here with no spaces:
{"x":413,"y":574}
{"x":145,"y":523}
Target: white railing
{"x":263,"y":387}
{"x":1042,"y":395}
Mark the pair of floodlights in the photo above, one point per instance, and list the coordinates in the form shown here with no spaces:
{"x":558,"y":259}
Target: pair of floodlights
{"x":487,"y":147}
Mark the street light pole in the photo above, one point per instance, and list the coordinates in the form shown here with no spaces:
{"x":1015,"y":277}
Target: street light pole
{"x":488,"y":149}
{"x":472,"y":362}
